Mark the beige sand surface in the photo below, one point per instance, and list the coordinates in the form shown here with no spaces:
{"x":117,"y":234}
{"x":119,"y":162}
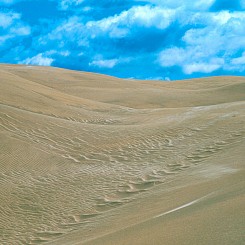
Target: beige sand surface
{"x":92,"y":159}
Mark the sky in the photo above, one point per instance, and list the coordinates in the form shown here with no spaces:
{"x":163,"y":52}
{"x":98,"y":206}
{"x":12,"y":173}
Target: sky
{"x":152,"y":39}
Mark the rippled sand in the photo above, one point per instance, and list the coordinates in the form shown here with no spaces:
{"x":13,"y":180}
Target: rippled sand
{"x":92,"y":159}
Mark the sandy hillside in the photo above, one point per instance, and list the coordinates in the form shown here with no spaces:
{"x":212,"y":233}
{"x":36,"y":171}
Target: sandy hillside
{"x":92,"y":159}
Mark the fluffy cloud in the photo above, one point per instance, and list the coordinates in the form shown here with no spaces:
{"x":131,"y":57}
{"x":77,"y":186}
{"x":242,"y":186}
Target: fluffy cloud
{"x":86,"y":35}
{"x":209,"y":48}
{"x":100,"y":62}
{"x":239,"y":60}
{"x":104,"y":63}
{"x":65,"y":31}
{"x":187,"y":4}
{"x":140,"y":16}
{"x":40,"y":59}
{"x":66,"y":4}
{"x":12,"y":27}
{"x":172,"y":56}
{"x":204,"y":67}
{"x":191,"y":60}
{"x":237,"y":64}
{"x":7,"y":19}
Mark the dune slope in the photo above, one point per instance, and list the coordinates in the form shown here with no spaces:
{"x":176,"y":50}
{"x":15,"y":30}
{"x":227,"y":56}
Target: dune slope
{"x":92,"y":159}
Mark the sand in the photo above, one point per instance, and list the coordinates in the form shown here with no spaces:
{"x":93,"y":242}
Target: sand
{"x":92,"y":159}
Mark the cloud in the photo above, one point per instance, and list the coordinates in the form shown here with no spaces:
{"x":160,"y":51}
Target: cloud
{"x":100,"y":62}
{"x":191,"y":60}
{"x":199,"y":5}
{"x":97,"y":36}
{"x":204,"y":67}
{"x":70,"y":30}
{"x":12,"y":27}
{"x":237,"y":64}
{"x":158,"y":78}
{"x":65,"y":53}
{"x":40,"y":59}
{"x":104,"y":63}
{"x":172,"y":56}
{"x":239,"y":60}
{"x":66,"y":4}
{"x":140,"y":16}
{"x":209,"y":48}
{"x":7,"y":19}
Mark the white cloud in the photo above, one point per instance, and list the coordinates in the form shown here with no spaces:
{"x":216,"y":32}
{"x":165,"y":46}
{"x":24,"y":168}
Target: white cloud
{"x":65,"y":53}
{"x":74,"y":29}
{"x":87,"y":9}
{"x":104,"y":63}
{"x":101,"y":62}
{"x":69,"y":30}
{"x":159,"y":78}
{"x":147,"y":16}
{"x":4,"y":38}
{"x":203,"y":67}
{"x":186,"y":4}
{"x":7,"y":19}
{"x":138,"y":16}
{"x":65,"y":4}
{"x":211,"y":47}
{"x":237,"y":64}
{"x":167,"y":79}
{"x":172,"y":56}
{"x":191,"y":60}
{"x":39,"y":59}
{"x":21,"y":31}
{"x":222,"y":17}
{"x":239,"y":60}
{"x":216,"y":38}
{"x":12,"y":26}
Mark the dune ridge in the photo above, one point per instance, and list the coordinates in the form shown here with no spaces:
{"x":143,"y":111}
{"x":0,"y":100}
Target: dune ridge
{"x":92,"y":159}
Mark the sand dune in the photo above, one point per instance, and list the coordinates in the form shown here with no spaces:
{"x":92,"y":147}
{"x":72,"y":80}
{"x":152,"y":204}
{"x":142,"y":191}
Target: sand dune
{"x":92,"y":159}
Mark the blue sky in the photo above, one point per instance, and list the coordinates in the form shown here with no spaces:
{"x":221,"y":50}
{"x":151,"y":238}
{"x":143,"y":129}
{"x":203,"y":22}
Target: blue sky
{"x":152,"y":39}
